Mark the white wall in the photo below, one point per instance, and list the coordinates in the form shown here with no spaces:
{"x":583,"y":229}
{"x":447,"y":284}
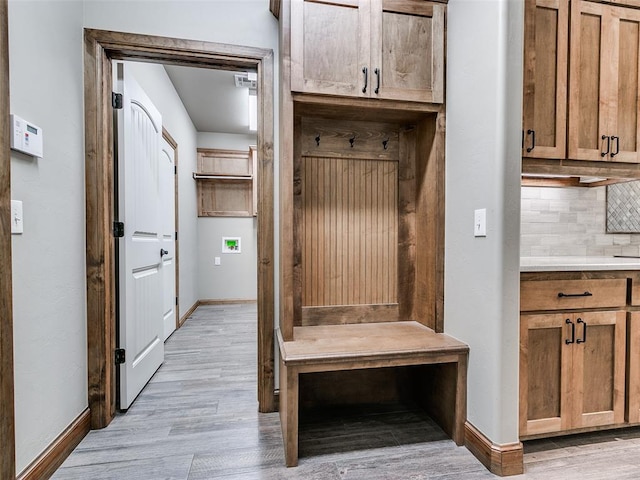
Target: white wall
{"x":156,"y":83}
{"x":484,"y":98}
{"x":49,"y":306}
{"x":237,"y":275}
{"x":46,"y":48}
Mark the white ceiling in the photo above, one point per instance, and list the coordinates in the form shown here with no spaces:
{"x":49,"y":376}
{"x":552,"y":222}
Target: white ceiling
{"x":211,"y":98}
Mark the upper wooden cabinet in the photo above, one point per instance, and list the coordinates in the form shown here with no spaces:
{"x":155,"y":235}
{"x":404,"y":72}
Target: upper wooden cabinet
{"x":226,"y":183}
{"x":391,"y":49}
{"x":545,"y":78}
{"x":604,"y":100}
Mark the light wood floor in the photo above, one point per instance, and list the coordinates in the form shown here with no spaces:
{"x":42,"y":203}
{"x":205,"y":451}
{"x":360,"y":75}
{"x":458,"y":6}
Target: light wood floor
{"x":197,"y":419}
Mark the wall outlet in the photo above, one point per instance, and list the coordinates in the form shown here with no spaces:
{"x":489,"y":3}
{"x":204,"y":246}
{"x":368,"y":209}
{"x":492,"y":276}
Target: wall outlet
{"x":216,"y":260}
{"x":480,"y":223}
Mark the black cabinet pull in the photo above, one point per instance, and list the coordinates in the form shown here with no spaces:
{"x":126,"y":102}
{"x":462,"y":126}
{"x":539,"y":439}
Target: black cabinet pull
{"x":365,"y":70}
{"x":617,"y":144}
{"x":533,"y":140}
{"x":604,"y":154}
{"x":573,"y":332}
{"x":565,"y":295}
{"x":377,"y":72}
{"x":163,"y":252}
{"x":584,"y":331}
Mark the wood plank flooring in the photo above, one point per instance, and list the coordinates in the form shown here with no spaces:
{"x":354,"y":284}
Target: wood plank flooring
{"x":198,"y":419}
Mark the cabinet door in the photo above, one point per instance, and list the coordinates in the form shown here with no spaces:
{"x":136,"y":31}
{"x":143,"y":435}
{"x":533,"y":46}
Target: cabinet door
{"x":633,"y":362}
{"x":624,"y":124}
{"x":407,"y":50}
{"x":545,"y":373}
{"x":590,"y":97}
{"x":599,"y":368}
{"x":545,"y":78}
{"x":330,"y":47}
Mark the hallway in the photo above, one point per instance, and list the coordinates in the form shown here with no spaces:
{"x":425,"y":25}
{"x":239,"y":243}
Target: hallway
{"x":198,"y":419}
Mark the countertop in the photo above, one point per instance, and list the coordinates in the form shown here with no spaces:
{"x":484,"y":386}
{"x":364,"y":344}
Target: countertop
{"x":573,"y":264}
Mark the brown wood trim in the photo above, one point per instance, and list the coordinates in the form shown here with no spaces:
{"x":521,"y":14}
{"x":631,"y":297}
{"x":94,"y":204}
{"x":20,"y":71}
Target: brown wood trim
{"x":577,"y":431}
{"x":266,"y":221}
{"x":7,"y":418}
{"x":578,"y":168}
{"x":287,"y":291}
{"x":552,"y":182}
{"x":502,"y":460}
{"x":48,"y":461}
{"x":100,"y":48}
{"x":167,"y":136}
{"x":274,"y":6}
{"x":226,"y":301}
{"x":99,"y":216}
{"x":188,"y":313}
{"x":345,"y":314}
{"x":568,"y":182}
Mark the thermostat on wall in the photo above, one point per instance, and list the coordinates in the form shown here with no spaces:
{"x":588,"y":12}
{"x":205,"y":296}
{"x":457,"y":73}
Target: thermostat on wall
{"x":26,"y":137}
{"x":231,"y":245}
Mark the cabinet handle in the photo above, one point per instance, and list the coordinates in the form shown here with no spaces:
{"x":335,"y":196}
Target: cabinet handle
{"x":617,"y":144}
{"x":365,"y":70}
{"x":533,"y":140}
{"x":584,"y":331}
{"x":585,"y":294}
{"x":377,"y":72}
{"x":573,"y":332}
{"x":604,"y":154}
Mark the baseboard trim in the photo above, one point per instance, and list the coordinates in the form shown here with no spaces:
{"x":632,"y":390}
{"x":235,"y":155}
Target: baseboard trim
{"x":48,"y":461}
{"x":225,"y":301}
{"x":502,"y":460}
{"x":189,"y":313}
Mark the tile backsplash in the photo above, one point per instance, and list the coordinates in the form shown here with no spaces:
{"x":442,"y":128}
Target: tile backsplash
{"x":570,"y":221}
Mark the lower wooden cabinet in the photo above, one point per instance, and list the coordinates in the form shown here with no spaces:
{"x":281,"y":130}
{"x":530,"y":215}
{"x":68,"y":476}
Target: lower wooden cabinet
{"x":572,"y":371}
{"x":633,"y":368}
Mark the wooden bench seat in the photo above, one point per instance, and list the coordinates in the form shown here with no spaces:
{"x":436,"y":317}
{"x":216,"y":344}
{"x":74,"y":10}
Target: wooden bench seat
{"x":328,"y":348}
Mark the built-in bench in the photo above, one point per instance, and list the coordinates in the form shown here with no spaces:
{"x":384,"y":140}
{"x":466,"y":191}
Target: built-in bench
{"x":328,"y":348}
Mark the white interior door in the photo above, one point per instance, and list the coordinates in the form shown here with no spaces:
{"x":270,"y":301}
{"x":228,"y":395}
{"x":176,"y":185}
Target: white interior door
{"x":167,"y":212}
{"x":141,"y":328}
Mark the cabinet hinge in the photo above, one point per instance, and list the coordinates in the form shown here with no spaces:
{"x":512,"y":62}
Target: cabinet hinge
{"x":120,"y":356}
{"x":118,"y":229}
{"x":175,"y":169}
{"x":176,"y":236}
{"x":116,"y":100}
{"x":176,"y":301}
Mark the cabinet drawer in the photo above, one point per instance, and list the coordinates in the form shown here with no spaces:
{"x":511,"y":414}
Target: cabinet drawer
{"x":572,"y":294}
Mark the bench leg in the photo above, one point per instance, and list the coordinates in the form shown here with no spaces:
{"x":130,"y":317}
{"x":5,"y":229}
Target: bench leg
{"x":460,"y":414}
{"x":289,"y":413}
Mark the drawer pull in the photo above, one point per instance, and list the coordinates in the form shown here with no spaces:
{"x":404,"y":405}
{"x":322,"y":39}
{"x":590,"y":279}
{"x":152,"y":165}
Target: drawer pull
{"x":365,"y":71}
{"x":584,"y":331}
{"x":573,"y":332}
{"x":585,"y":294}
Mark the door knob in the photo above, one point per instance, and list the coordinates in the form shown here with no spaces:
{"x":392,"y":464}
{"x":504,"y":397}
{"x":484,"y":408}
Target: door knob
{"x":163,"y":252}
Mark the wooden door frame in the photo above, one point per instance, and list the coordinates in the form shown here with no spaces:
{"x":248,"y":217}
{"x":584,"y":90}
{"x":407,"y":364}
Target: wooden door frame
{"x":100,"y":48}
{"x":171,"y":141}
{"x":7,"y":414}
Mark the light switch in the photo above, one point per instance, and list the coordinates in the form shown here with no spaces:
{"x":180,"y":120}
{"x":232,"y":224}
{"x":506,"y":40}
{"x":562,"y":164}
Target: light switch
{"x":480,"y":223}
{"x":16,"y":217}
{"x":216,"y":260}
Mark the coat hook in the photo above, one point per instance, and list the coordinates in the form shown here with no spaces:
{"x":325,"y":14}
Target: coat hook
{"x":352,"y":140}
{"x":385,"y":143}
{"x":317,"y":140}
